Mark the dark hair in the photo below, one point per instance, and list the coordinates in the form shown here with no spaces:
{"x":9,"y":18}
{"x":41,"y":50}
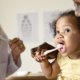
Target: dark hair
{"x":66,"y":13}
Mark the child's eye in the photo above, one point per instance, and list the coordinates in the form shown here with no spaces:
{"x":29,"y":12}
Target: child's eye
{"x":67,"y":29}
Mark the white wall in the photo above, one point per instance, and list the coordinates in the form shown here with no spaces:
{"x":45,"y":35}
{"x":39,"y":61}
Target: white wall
{"x":8,"y":19}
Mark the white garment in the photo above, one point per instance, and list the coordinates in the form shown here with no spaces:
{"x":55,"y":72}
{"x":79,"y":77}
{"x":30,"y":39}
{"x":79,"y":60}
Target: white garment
{"x":7,"y":65}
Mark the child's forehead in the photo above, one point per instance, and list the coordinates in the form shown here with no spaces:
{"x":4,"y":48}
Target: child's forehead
{"x":68,"y":18}
{"x":67,"y":21}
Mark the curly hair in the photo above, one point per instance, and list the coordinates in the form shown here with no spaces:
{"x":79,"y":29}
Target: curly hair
{"x":66,"y":13}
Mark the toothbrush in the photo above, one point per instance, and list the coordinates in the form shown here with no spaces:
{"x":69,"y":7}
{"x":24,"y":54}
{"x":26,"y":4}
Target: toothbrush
{"x":48,"y":51}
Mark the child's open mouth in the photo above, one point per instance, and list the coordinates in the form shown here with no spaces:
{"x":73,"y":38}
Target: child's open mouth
{"x":63,"y":47}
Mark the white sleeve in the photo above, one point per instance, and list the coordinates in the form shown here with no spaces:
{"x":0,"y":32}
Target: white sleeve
{"x":12,"y":67}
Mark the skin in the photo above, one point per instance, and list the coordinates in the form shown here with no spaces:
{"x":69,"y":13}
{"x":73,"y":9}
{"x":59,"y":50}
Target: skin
{"x":77,"y":1}
{"x":68,"y":33}
{"x":77,"y":7}
{"x":17,"y":47}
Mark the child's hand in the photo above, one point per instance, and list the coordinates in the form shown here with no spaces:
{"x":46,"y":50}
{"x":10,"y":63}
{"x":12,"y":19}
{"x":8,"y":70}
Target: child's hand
{"x":42,"y":48}
{"x":39,"y":57}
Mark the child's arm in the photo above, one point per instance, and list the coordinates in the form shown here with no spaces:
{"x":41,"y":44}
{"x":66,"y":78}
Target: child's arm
{"x":50,"y":70}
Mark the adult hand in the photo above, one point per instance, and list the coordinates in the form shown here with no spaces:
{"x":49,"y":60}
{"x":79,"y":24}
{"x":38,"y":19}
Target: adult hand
{"x":17,"y":47}
{"x":77,"y":7}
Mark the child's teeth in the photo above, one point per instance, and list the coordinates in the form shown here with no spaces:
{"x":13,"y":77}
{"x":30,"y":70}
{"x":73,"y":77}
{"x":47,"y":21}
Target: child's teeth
{"x":59,"y":45}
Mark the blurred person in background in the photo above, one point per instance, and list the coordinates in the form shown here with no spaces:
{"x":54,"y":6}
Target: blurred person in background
{"x":77,"y":7}
{"x":10,"y":51}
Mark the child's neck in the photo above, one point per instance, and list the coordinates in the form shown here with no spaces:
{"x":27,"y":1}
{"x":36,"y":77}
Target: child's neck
{"x":75,"y":56}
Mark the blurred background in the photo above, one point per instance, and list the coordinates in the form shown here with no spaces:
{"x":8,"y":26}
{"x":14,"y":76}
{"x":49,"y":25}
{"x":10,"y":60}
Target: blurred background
{"x":9,"y":20}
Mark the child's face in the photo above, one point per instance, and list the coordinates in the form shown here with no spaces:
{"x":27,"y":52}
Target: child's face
{"x":68,"y":35}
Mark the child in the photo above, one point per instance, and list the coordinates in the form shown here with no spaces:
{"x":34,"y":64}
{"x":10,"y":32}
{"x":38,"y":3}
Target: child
{"x":67,"y":64}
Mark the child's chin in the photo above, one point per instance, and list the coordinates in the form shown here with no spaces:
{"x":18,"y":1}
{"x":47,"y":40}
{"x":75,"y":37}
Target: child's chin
{"x":64,"y":54}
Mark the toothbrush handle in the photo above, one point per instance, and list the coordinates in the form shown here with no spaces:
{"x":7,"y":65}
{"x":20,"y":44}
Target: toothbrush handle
{"x":49,"y":51}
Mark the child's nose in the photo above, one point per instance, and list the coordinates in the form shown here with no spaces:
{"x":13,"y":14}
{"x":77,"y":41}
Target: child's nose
{"x":60,"y":36}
